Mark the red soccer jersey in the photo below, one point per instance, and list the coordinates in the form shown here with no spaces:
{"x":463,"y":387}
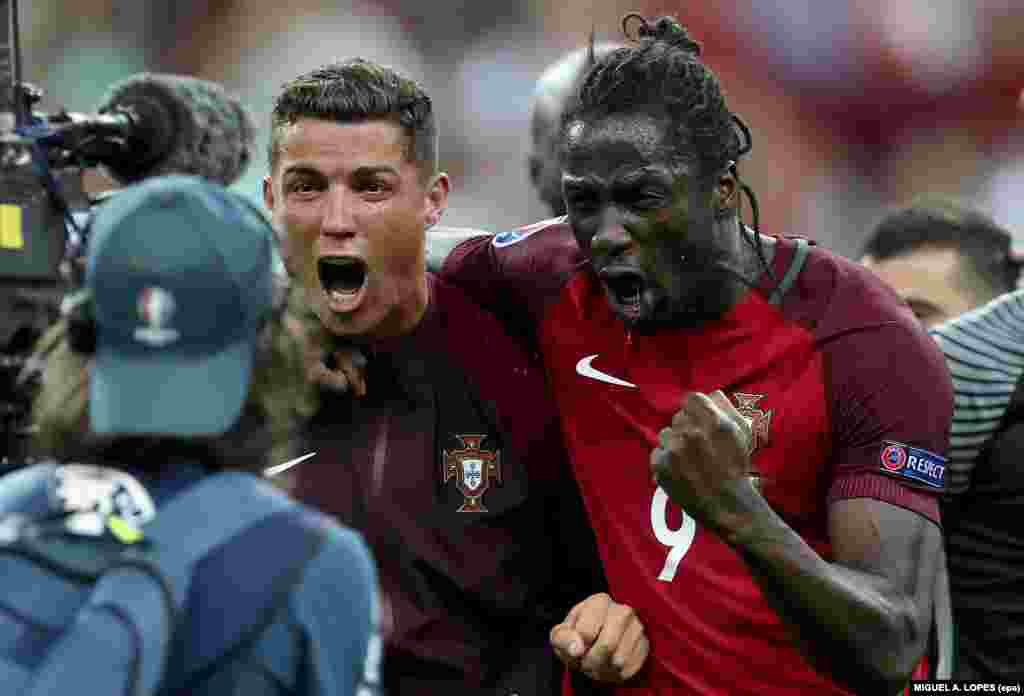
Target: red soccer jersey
{"x":829,"y":377}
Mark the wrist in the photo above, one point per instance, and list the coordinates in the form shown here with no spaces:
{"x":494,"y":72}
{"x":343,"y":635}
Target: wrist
{"x":753,"y":524}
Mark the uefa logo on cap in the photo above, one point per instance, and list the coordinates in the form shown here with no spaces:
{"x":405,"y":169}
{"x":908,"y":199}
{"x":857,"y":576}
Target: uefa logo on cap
{"x":894,"y":457}
{"x":156,"y":308}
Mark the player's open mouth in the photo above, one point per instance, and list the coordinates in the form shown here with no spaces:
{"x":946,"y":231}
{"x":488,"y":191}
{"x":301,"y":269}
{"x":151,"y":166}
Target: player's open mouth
{"x":626,"y":289}
{"x":343,"y":279}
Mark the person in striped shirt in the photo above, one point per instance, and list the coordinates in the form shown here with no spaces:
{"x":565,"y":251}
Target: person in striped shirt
{"x":984,"y":350}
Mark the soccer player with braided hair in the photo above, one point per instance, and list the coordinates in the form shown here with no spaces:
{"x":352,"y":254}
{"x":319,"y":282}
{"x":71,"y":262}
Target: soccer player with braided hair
{"x":757,"y":425}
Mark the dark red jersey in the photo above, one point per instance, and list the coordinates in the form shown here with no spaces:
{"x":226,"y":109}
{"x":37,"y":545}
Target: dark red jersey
{"x":454,"y":469}
{"x":838,"y":380}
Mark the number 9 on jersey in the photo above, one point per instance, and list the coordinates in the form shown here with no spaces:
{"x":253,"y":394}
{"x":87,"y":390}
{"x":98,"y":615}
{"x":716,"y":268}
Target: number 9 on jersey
{"x":677,"y":540}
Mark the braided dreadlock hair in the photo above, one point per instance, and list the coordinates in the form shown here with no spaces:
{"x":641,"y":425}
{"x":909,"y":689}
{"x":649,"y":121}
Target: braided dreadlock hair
{"x":663,"y":73}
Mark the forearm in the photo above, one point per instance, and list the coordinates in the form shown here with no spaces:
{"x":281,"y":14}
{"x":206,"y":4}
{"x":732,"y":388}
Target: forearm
{"x":853,"y":624}
{"x":943,"y":669}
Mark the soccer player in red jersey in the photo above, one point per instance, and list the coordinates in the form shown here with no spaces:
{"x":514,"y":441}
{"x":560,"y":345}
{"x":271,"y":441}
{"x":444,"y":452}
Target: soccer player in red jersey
{"x":756,"y":425}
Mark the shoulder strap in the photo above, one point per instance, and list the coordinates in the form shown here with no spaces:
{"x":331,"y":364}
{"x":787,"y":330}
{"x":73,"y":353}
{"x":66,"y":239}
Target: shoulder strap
{"x":796,"y":264}
{"x":226,"y":647}
{"x":191,"y":525}
{"x":204,"y":516}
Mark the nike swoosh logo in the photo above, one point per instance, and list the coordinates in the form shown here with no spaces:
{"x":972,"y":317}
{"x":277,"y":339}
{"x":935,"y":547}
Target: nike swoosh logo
{"x":583,"y":367}
{"x":278,"y":468}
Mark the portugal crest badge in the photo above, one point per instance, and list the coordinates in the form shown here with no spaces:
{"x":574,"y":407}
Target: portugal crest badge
{"x":760,"y":419}
{"x":473,"y":468}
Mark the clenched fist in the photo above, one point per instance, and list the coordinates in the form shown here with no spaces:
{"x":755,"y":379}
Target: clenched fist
{"x":702,"y":462}
{"x":602,"y":638}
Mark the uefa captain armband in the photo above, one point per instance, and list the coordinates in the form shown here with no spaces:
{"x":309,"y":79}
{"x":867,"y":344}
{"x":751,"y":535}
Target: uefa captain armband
{"x":915,"y":466}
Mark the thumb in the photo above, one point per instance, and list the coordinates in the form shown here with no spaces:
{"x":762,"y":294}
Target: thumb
{"x":567,"y":642}
{"x":352,"y":365}
{"x":332,"y":380}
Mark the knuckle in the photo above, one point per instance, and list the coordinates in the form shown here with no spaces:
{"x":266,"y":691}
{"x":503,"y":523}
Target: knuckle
{"x":688,"y":435}
{"x":586,"y":629}
{"x":725,"y":425}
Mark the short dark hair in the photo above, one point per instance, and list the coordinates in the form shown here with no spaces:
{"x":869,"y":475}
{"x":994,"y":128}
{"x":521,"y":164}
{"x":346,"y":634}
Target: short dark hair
{"x":664,"y":75}
{"x":359,"y":90}
{"x":984,"y":246}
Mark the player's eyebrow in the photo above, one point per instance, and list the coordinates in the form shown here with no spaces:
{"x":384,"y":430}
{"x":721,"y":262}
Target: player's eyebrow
{"x":371,"y":170}
{"x":646,"y":173}
{"x":299,"y":168}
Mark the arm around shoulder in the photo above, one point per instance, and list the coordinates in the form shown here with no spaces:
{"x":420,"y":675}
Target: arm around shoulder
{"x":442,"y":240}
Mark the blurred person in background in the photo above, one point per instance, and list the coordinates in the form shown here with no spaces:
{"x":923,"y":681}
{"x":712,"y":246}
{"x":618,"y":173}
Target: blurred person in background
{"x":984,"y":501}
{"x":553,"y":91}
{"x":452,"y":464}
{"x":755,"y":518}
{"x":942,"y":258}
{"x":177,"y":374}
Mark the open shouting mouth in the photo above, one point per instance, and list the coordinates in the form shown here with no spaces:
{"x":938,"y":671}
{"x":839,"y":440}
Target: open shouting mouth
{"x":627,"y":290}
{"x":343,"y":279}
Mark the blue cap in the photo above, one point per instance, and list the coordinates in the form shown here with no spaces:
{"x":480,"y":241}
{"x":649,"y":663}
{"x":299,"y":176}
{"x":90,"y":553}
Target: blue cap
{"x":179,"y":269}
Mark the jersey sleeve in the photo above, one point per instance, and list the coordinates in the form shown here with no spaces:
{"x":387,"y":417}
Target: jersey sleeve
{"x":336,"y":608}
{"x":474,"y":267}
{"x":890,"y":402}
{"x":514,"y":274}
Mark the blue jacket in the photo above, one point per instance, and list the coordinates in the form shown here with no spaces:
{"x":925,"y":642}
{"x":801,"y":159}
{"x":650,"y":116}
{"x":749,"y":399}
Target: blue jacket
{"x":319,"y":639}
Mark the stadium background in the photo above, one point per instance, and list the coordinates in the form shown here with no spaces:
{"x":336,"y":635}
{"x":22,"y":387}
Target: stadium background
{"x":855,"y":105}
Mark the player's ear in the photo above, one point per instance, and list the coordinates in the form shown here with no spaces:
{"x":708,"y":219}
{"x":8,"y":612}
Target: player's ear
{"x":437,"y":198}
{"x":534,"y":166}
{"x":268,"y":193}
{"x":725,"y":195}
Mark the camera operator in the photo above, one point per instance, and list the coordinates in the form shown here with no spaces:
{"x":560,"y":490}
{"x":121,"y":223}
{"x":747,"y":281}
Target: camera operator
{"x":146,"y":126}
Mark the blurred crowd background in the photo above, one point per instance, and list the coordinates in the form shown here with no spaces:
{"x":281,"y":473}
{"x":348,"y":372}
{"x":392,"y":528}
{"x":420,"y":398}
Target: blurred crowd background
{"x":854,"y":105}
